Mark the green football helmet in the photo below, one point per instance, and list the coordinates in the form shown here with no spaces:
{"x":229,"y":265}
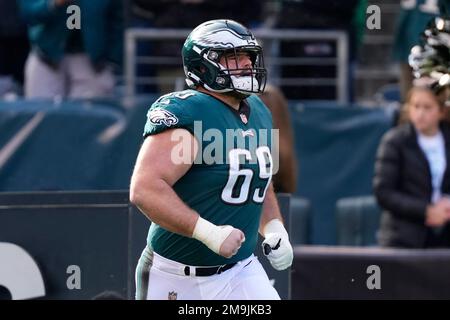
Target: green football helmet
{"x":208,"y":43}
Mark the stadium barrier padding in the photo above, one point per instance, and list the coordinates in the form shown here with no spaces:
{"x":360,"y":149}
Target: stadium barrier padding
{"x":357,"y":221}
{"x":300,"y":221}
{"x":336,"y":272}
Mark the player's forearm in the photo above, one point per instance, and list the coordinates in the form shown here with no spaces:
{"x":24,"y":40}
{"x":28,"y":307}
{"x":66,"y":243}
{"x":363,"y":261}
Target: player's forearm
{"x":271,"y":210}
{"x":161,"y":204}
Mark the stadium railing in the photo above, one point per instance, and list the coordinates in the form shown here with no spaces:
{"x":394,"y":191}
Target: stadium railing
{"x":271,"y":39}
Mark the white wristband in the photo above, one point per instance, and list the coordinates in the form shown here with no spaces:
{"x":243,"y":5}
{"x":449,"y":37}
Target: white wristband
{"x":211,"y":235}
{"x":275,"y":226}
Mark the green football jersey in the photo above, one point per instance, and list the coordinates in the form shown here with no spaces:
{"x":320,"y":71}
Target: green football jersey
{"x":227,"y":183}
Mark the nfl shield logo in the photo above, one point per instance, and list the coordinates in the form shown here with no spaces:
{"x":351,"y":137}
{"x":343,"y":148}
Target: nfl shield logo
{"x":244,"y":118}
{"x":172,"y":295}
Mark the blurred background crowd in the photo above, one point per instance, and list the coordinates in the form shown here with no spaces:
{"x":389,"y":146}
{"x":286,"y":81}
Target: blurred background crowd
{"x":34,"y":46}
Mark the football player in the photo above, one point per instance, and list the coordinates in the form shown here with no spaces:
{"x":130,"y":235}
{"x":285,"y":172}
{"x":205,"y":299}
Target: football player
{"x":207,"y":201}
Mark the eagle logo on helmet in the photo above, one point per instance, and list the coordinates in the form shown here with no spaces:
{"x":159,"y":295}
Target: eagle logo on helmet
{"x":161,"y":116}
{"x":225,"y":38}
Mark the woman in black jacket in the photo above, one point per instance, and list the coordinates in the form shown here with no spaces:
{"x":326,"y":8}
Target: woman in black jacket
{"x":412,"y":178}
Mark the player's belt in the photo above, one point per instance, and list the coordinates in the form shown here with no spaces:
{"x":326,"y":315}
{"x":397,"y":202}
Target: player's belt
{"x":208,"y":271}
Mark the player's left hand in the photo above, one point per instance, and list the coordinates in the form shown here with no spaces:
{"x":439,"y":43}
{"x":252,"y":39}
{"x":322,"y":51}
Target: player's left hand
{"x":276,"y":246}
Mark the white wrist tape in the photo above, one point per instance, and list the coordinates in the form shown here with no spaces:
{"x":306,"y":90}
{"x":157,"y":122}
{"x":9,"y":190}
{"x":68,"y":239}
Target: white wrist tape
{"x":211,"y":235}
{"x":275,"y":226}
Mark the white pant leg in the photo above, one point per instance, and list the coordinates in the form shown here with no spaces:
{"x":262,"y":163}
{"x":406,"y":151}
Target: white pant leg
{"x":245,"y":281}
{"x":41,"y":81}
{"x":252,"y":283}
{"x":84,"y":81}
{"x":166,"y":286}
{"x":166,"y":280}
{"x":142,"y":273}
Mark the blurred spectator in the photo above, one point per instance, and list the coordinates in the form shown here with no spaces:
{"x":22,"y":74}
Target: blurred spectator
{"x":348,"y":16}
{"x":412,"y":175}
{"x":13,"y":48}
{"x":412,"y":20}
{"x":286,"y":178}
{"x":187,"y":14}
{"x":75,"y":63}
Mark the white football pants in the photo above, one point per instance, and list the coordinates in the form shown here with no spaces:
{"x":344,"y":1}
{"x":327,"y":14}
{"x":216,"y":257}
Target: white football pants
{"x":158,"y":278}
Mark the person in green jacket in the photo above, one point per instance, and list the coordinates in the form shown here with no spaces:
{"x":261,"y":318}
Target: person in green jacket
{"x":76,"y":46}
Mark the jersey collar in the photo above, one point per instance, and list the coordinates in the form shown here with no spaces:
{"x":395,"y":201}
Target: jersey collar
{"x":243,"y":114}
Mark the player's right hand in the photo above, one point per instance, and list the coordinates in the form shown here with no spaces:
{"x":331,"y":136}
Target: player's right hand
{"x":232,"y":243}
{"x":224,"y":240}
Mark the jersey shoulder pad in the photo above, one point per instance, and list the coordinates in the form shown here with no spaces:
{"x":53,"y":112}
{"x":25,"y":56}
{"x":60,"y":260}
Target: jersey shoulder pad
{"x":168,"y":112}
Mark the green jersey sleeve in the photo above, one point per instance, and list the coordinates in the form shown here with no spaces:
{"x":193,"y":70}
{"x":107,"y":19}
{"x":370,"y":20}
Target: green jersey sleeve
{"x":167,"y":113}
